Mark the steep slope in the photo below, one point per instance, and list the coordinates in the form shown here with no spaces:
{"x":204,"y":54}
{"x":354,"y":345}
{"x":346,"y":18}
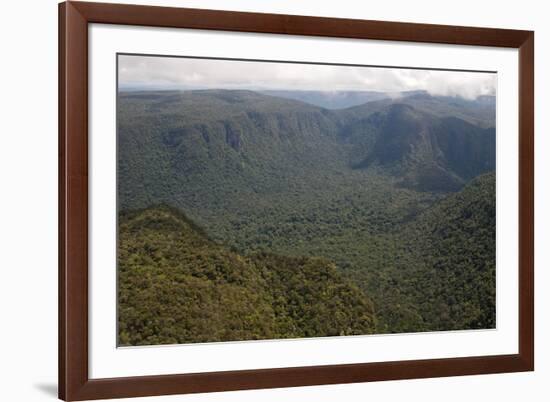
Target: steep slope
{"x":426,"y":153}
{"x":177,"y":286}
{"x":480,"y":112}
{"x":187,"y":147}
{"x":459,"y":244}
{"x":441,"y":274}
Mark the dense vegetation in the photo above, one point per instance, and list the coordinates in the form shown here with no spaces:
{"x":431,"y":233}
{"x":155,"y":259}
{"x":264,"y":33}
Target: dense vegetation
{"x":383,"y":197}
{"x":177,"y":286}
{"x":438,"y":270}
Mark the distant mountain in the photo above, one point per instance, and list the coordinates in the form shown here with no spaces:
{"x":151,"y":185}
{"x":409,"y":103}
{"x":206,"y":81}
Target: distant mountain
{"x":480,"y":111}
{"x":429,"y":153}
{"x":331,"y":99}
{"x":173,"y":144}
{"x":183,"y":148}
{"x":177,"y":286}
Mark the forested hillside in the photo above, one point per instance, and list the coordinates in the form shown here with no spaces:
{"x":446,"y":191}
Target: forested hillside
{"x":177,"y":286}
{"x":439,"y":269}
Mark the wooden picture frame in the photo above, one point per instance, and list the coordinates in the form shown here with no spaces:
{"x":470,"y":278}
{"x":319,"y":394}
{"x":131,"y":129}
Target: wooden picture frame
{"x":74,"y":381}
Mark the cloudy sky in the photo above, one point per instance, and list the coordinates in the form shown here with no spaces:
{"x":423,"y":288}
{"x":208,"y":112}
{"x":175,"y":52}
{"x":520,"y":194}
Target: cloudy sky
{"x":186,"y":73}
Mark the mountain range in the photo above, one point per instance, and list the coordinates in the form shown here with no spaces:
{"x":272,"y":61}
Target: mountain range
{"x":426,"y":143}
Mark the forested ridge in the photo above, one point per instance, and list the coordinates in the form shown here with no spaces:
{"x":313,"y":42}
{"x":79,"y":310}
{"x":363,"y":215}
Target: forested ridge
{"x":177,"y":286}
{"x":438,"y":271}
{"x":393,"y":200}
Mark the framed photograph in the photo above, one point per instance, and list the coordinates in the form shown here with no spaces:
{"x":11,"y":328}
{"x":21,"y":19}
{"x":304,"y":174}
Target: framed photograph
{"x":259,"y":200}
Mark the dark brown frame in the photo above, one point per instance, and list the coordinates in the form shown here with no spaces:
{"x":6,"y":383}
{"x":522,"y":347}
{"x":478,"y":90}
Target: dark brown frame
{"x":74,"y":383}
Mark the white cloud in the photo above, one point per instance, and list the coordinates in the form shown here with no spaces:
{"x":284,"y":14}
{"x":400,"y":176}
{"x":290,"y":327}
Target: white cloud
{"x":189,"y":73}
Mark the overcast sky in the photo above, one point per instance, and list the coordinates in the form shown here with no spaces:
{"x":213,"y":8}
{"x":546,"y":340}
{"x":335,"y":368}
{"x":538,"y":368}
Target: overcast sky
{"x":185,"y":73}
